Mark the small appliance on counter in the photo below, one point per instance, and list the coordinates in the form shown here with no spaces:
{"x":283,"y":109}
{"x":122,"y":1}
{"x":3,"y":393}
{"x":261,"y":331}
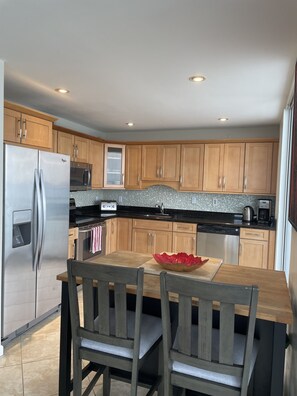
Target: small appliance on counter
{"x":264,"y":211}
{"x":248,"y":214}
{"x":108,"y":206}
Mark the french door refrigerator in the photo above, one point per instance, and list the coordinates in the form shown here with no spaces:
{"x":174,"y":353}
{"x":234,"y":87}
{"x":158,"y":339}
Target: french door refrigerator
{"x":36,"y":221}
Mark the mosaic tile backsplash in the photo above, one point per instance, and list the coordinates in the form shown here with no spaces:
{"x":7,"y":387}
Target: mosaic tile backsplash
{"x":171,"y":199}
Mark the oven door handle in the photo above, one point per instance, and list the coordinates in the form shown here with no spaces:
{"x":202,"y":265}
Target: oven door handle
{"x":90,"y":229}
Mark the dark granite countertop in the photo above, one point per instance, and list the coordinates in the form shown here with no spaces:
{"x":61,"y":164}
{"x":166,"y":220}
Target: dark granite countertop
{"x":178,"y":215}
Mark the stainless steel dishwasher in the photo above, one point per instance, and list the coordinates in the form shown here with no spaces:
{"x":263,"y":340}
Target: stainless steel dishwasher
{"x":218,"y":241}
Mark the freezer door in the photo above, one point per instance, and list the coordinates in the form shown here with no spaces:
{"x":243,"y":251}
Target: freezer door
{"x":19,"y":277}
{"x":54,"y":181}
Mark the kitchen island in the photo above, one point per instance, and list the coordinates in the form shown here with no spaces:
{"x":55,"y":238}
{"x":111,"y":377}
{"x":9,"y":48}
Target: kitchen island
{"x":273,"y":314}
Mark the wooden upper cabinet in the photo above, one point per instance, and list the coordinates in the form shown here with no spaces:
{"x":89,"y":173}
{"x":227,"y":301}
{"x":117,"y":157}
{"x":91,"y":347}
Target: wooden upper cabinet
{"x":81,"y":149}
{"x":191,"y":167}
{"x":75,"y":146}
{"x":160,"y":162}
{"x":274,"y":168}
{"x":96,"y":154}
{"x":65,"y":144}
{"x":55,"y":141}
{"x":258,"y":165}
{"x":114,"y":165}
{"x":223,"y":167}
{"x":133,"y":167}
{"x":27,"y":129}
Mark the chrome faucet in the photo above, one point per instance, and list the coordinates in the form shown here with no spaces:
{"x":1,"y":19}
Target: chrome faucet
{"x":161,"y":207}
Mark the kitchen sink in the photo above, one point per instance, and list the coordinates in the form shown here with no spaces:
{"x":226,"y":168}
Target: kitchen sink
{"x":157,"y":216}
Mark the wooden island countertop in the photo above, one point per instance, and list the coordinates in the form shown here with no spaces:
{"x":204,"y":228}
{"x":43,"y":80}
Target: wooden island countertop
{"x":274,"y":300}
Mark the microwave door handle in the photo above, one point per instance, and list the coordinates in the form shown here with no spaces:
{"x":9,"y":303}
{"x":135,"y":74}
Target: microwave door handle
{"x":89,"y":177}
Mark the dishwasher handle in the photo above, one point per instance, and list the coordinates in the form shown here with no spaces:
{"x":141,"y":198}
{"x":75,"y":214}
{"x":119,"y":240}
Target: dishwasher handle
{"x":217,"y":229}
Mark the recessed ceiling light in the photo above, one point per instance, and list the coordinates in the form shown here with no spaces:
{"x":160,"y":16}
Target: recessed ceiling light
{"x":130,"y":124}
{"x":223,"y":119}
{"x":62,"y":90}
{"x":197,"y":78}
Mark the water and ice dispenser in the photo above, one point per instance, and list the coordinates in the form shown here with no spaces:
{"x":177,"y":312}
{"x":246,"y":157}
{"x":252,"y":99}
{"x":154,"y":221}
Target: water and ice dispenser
{"x":21,"y":228}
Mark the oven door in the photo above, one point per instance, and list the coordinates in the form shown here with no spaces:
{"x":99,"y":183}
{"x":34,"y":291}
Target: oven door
{"x":86,"y":248}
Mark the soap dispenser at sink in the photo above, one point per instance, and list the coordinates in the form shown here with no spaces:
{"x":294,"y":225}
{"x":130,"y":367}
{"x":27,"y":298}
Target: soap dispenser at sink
{"x":248,"y":214}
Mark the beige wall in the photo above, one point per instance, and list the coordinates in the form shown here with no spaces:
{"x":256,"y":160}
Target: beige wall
{"x":291,"y":357}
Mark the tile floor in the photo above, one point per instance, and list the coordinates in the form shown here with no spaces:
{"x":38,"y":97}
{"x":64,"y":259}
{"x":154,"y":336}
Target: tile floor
{"x":30,"y":364}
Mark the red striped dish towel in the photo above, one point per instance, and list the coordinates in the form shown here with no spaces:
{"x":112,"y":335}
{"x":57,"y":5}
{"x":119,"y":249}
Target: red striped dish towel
{"x":96,"y":236}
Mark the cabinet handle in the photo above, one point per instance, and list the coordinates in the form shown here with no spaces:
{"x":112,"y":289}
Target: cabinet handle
{"x":138,"y":179}
{"x":161,"y":172}
{"x":157,"y":172}
{"x":25,"y":129}
{"x":224,"y":182}
{"x":20,"y":129}
{"x":220,"y":182}
{"x":240,"y":249}
{"x":181,"y":180}
{"x":245,"y":183}
{"x":76,"y":150}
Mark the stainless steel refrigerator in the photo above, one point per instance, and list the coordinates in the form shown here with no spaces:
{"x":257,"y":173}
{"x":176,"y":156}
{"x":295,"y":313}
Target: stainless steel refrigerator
{"x":36,"y":221}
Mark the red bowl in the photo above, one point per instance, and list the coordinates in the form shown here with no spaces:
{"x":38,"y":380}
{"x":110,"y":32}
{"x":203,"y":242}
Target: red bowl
{"x":179,"y":261}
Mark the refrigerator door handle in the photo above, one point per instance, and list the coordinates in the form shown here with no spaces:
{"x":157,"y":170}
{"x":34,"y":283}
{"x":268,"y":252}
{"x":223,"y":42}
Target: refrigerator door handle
{"x":43,"y":219}
{"x":37,"y":218}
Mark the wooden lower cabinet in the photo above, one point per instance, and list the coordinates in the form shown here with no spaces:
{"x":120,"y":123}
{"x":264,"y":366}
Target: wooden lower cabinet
{"x":151,"y":236}
{"x":124,"y":234}
{"x":184,"y":238}
{"x":111,"y":235}
{"x":257,"y":248}
{"x":72,"y":237}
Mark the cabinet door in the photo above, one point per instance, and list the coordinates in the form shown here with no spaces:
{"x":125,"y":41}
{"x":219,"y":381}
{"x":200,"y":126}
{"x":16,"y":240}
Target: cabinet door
{"x":37,"y":132}
{"x":161,"y":241}
{"x":114,"y":166}
{"x":111,"y":235}
{"x":257,"y":171}
{"x":253,"y":253}
{"x":81,"y":149}
{"x":12,"y":126}
{"x":191,"y":168}
{"x":55,"y":141}
{"x":66,"y":144}
{"x":233,"y":167}
{"x":150,"y":162}
{"x":133,"y":167}
{"x":96,"y":159}
{"x":184,"y":242}
{"x":274,"y":168}
{"x":169,"y":162}
{"x":213,"y":167}
{"x":141,"y":240}
{"x":124,"y":234}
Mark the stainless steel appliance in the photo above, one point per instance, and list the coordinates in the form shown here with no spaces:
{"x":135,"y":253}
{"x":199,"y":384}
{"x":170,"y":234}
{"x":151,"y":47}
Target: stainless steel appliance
{"x":248,"y":214}
{"x":36,"y":219}
{"x":80,"y":176}
{"x":84,"y":241}
{"x":218,"y":241}
{"x":264,"y":211}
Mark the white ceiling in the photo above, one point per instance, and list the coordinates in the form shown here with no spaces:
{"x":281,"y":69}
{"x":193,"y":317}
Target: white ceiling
{"x":130,"y":60}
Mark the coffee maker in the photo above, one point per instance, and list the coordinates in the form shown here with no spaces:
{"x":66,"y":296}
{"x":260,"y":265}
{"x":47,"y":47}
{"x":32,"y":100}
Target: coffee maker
{"x":264,"y":211}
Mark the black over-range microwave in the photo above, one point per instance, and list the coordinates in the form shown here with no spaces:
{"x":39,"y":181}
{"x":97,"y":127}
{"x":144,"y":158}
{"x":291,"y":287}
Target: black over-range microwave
{"x":80,"y":176}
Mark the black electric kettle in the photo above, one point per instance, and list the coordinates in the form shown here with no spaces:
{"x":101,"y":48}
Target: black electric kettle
{"x":248,"y":214}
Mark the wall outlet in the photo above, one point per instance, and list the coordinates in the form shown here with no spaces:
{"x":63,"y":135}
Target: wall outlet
{"x":194,"y":200}
{"x":120,"y":199}
{"x":214,"y":201}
